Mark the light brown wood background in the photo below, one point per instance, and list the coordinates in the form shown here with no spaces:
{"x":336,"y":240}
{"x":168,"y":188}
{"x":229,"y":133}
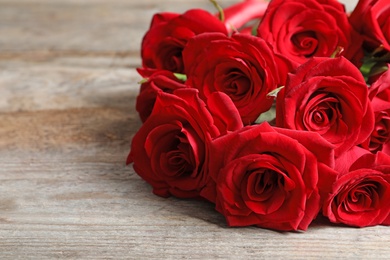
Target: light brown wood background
{"x":67,"y":91}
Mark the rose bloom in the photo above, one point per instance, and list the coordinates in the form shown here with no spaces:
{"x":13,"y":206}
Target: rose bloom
{"x":242,"y":66}
{"x":163,"y":43}
{"x":300,"y":29}
{"x":379,"y":93}
{"x":156,"y":81}
{"x":372,"y":19}
{"x":361,"y":195}
{"x":171,"y":148}
{"x":328,"y":96}
{"x":269,"y":177}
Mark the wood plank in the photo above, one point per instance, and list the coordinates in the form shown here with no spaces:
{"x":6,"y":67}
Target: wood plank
{"x":86,"y":26}
{"x":67,"y":116}
{"x":66,"y":193}
{"x":71,"y":205}
{"x":66,"y":83}
{"x":93,"y":210}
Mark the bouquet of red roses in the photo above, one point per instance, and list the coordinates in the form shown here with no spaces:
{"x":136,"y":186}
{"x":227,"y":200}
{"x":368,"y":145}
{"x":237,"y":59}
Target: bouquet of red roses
{"x":275,"y":112}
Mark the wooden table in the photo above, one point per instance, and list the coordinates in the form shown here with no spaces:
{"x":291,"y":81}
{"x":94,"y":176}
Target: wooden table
{"x":67,"y":91}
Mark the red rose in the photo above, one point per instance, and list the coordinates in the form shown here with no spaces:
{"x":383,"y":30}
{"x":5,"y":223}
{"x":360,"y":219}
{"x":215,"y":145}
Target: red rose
{"x":170,"y":149}
{"x":372,"y":19}
{"x":361,"y":196}
{"x":330,"y":97}
{"x":379,"y":93}
{"x":269,"y":177}
{"x":168,"y":34}
{"x":303,"y":29}
{"x":156,"y":82}
{"x":242,"y":66}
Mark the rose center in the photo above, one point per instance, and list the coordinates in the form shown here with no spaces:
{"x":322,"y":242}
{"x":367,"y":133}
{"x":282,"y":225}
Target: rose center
{"x":179,"y":160}
{"x":171,"y":56}
{"x":363,"y":197}
{"x":380,"y":135}
{"x":266,"y":183}
{"x":306,"y":43}
{"x":322,"y":112}
{"x":318,"y":117}
{"x":236,"y":84}
{"x":177,"y":152}
{"x":264,"y":190}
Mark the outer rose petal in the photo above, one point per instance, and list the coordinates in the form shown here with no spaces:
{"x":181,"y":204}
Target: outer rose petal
{"x":387,"y":221}
{"x":158,"y":81}
{"x":225,"y":119}
{"x":344,"y":162}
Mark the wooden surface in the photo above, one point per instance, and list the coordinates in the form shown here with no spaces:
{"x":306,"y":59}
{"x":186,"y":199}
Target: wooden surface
{"x":67,"y":91}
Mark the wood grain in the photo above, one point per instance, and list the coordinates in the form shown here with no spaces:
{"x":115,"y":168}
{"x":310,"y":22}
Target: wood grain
{"x":67,"y":93}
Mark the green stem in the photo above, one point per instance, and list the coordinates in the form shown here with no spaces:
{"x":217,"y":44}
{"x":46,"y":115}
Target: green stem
{"x":220,"y":10}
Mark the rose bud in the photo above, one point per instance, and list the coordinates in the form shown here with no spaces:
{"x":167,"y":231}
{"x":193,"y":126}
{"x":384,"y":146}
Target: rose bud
{"x":328,"y":96}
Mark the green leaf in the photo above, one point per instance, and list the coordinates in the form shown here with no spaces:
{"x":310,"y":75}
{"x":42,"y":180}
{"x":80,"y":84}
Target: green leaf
{"x":380,"y":68}
{"x":275,"y":92}
{"x":220,"y":10}
{"x":374,"y":63}
{"x":365,"y":69}
{"x":254,"y":28}
{"x":337,"y":52}
{"x":142,"y":81}
{"x":266,"y":116}
{"x":179,"y":76}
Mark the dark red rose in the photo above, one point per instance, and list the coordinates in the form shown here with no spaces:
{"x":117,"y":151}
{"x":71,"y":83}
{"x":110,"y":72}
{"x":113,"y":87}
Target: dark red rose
{"x":328,"y":96}
{"x":379,"y":93}
{"x":157,"y":81}
{"x":360,"y":196}
{"x":163,"y":43}
{"x":269,"y":177}
{"x":242,"y":66}
{"x":171,"y":148}
{"x":372,"y":19}
{"x":305,"y":28}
